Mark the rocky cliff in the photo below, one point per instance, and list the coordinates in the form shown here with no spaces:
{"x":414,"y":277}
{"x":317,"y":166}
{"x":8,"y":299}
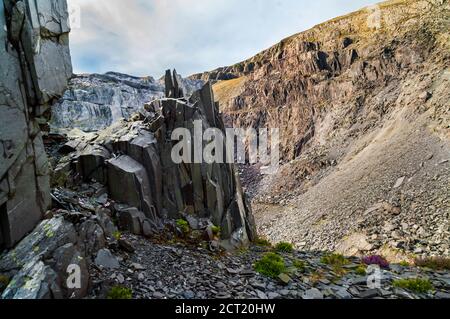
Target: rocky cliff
{"x":95,"y":101}
{"x":134,"y":159}
{"x":34,"y":70}
{"x":362,"y":106}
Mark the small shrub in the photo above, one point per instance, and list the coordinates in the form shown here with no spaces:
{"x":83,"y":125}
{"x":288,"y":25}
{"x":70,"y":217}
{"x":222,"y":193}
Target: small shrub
{"x":361,"y":270}
{"x":404,"y":264}
{"x":284,"y":247}
{"x":117,"y":235}
{"x":334,"y":260}
{"x":299,"y":264}
{"x":216,"y":230}
{"x":120,"y":292}
{"x":183,"y":225}
{"x":4,"y":282}
{"x":271,"y":265}
{"x":417,"y":285}
{"x":376,"y":260}
{"x":263,"y":242}
{"x":435,"y":263}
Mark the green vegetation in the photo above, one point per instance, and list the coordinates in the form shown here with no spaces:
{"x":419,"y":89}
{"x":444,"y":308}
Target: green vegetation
{"x":361,"y":270}
{"x":334,"y":260}
{"x":404,"y":264}
{"x":435,"y":263}
{"x":263,"y":242}
{"x":183,"y":225}
{"x":417,"y":285}
{"x":216,"y":230}
{"x":299,"y":264}
{"x":271,"y":265}
{"x":117,"y":235}
{"x":120,"y":292}
{"x":284,"y":247}
{"x":4,"y":281}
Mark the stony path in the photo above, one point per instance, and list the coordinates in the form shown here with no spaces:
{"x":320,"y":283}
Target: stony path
{"x":159,"y":271}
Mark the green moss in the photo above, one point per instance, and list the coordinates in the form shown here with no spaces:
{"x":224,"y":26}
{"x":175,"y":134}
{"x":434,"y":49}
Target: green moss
{"x":4,"y":281}
{"x":284,"y":247}
{"x":120,"y":292}
{"x":361,"y":270}
{"x":299,"y":264}
{"x":435,"y":263}
{"x":183,"y":225}
{"x":417,"y":285}
{"x":334,"y":260}
{"x":404,"y":264}
{"x":216,"y":230}
{"x":271,"y":265}
{"x":263,"y":242}
{"x":117,"y":235}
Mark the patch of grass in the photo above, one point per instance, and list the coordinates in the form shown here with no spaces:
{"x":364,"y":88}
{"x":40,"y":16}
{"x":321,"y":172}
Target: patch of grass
{"x":361,"y":270}
{"x":299,"y":264}
{"x":120,"y":292}
{"x":4,"y":281}
{"x":334,"y":260}
{"x":284,"y":247}
{"x":417,"y":285}
{"x":117,"y":235}
{"x":263,"y":242}
{"x":271,"y":265}
{"x":316,"y":276}
{"x":435,"y":263}
{"x":216,"y":230}
{"x":404,"y":264}
{"x":183,"y":225}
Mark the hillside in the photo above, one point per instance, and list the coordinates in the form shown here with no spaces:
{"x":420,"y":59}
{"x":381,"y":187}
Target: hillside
{"x":362,"y":103}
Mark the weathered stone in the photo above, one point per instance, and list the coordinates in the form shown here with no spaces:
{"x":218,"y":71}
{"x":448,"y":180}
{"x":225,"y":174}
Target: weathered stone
{"x":92,"y":237}
{"x":106,"y":259}
{"x":128,"y":183}
{"x":65,"y":258}
{"x":35,"y":65}
{"x":34,"y":281}
{"x":131,"y":219}
{"x":40,"y":244}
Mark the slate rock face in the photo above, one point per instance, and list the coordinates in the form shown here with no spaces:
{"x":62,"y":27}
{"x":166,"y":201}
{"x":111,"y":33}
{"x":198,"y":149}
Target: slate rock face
{"x":34,"y":69}
{"x":95,"y":101}
{"x":142,"y":174}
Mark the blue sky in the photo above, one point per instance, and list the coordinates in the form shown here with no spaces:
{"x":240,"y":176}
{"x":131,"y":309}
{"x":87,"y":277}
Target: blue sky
{"x":146,"y":37}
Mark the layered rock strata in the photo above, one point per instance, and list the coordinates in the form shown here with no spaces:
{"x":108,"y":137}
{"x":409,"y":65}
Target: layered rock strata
{"x":34,"y":69}
{"x":134,"y":159}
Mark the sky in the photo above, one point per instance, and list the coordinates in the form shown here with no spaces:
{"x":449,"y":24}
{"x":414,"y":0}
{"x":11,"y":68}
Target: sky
{"x":146,"y":37}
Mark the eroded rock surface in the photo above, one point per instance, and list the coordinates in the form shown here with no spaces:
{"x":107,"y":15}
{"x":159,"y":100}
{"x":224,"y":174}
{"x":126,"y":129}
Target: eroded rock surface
{"x":133,"y":158}
{"x":95,"y":101}
{"x":34,"y":70}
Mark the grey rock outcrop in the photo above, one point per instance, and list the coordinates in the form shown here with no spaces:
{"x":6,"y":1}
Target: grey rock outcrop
{"x":141,"y":173}
{"x":95,"y":101}
{"x":34,"y":69}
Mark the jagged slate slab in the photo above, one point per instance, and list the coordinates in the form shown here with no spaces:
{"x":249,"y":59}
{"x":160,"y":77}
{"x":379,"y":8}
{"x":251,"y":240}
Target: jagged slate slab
{"x":128,"y":182}
{"x":41,"y":243}
{"x":35,"y":281}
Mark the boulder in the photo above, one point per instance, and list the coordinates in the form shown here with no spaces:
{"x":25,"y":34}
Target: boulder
{"x":106,"y":259}
{"x":132,"y":219}
{"x":40,"y":244}
{"x":128,"y":183}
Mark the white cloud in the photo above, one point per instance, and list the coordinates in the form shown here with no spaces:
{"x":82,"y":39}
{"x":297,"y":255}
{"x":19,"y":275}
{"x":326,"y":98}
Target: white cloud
{"x":148,"y":36}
